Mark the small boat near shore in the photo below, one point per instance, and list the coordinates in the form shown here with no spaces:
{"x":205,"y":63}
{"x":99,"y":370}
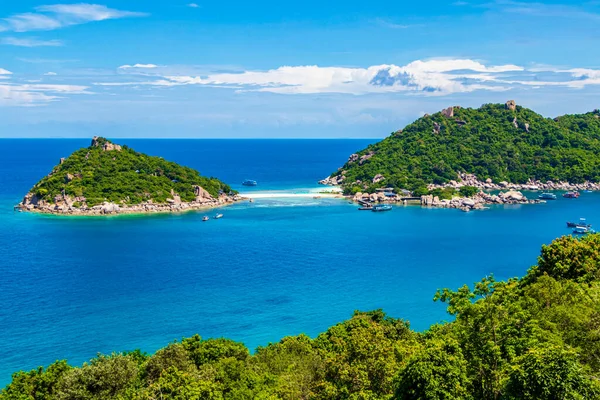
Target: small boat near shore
{"x":249,"y":182}
{"x":547,"y":196}
{"x":582,"y":230}
{"x":365,"y":208}
{"x":582,"y":223}
{"x":205,"y":218}
{"x":217,"y":216}
{"x":571,"y":195}
{"x":381,"y":207}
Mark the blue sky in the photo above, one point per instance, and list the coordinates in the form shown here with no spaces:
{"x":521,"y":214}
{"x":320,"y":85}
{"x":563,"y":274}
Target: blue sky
{"x":285,"y":69}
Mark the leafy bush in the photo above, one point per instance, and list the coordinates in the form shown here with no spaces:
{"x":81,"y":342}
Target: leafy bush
{"x":468,"y":191}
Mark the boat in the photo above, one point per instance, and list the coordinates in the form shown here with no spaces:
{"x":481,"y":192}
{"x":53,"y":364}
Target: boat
{"x":547,"y":196}
{"x":365,"y":208}
{"x":571,"y":195}
{"x":249,"y":182}
{"x":205,"y":218}
{"x":582,"y":223}
{"x":217,"y":216}
{"x":582,"y":230}
{"x":381,"y":207}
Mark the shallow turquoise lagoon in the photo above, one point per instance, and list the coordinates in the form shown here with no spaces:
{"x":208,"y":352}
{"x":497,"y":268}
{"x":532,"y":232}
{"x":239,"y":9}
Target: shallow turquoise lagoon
{"x":72,"y":287}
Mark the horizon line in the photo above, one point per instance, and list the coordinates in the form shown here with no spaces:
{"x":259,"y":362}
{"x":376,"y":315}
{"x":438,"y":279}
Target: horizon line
{"x":195,"y":138}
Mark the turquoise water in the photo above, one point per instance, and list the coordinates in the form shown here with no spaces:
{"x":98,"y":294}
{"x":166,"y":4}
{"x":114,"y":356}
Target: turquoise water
{"x":70,"y":288}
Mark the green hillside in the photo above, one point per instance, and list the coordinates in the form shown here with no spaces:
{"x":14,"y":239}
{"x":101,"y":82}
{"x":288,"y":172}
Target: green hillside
{"x":108,"y":172}
{"x":498,"y":141}
{"x":535,"y":338}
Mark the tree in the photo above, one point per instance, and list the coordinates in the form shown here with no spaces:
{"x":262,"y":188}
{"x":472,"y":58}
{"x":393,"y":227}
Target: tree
{"x":550,"y":373}
{"x":468,"y":191}
{"x":437,"y":372}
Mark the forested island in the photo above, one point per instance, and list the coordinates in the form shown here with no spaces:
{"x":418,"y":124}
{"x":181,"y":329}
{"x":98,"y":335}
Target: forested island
{"x":537,"y":337}
{"x":106,"y":178}
{"x":495,"y":147}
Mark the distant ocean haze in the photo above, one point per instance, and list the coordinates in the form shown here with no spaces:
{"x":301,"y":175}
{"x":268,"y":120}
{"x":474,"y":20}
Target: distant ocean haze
{"x":72,"y":287}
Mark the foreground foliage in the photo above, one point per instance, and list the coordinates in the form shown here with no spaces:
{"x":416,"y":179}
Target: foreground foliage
{"x":532,"y":338}
{"x":492,"y":142}
{"x":122,"y":176}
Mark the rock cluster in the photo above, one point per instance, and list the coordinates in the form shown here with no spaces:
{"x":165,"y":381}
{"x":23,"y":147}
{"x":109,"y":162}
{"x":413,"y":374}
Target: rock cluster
{"x":448,"y":112}
{"x":378,"y":178}
{"x":488,"y":184}
{"x":365,"y":157}
{"x":511,"y":105}
{"x":332,"y":180}
{"x":66,"y":205}
{"x":476,"y":202}
{"x":107,"y":146}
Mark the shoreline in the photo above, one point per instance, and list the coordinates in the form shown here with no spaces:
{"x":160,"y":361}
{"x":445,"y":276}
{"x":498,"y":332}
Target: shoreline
{"x":508,"y":193}
{"x":113,"y":210}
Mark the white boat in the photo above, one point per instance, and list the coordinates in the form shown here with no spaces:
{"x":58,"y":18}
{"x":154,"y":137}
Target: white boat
{"x":218,"y":216}
{"x":205,"y":218}
{"x":582,"y":230}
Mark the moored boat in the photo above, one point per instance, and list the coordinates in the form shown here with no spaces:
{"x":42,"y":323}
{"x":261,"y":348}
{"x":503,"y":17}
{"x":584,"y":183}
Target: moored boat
{"x":582,"y":223}
{"x":582,"y":230}
{"x":217,"y":216}
{"x":365,"y":208}
{"x":249,"y":182}
{"x":205,"y":218}
{"x":381,"y":207}
{"x":571,"y":195}
{"x":547,"y":196}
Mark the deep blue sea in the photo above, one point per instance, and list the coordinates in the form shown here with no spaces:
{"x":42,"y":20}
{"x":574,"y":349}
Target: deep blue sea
{"x":73,"y":287}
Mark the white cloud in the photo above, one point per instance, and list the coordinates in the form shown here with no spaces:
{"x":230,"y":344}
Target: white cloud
{"x":436,"y":77}
{"x":430,"y":77}
{"x":35,"y":94}
{"x":61,"y":15}
{"x":70,"y":89}
{"x":5,"y":72}
{"x":50,"y":73}
{"x":144,"y":66}
{"x":11,"y":96}
{"x":30,"y":42}
{"x":193,"y":5}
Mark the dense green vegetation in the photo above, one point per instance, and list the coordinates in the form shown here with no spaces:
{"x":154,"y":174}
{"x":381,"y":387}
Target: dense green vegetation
{"x":492,"y":142}
{"x":122,"y":176}
{"x":532,"y":338}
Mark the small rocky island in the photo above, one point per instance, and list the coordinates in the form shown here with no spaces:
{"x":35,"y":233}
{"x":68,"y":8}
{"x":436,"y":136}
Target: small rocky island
{"x":106,"y":179}
{"x":467,"y":158}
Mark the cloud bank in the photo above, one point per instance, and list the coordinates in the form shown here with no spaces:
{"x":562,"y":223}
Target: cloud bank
{"x":427,"y":77}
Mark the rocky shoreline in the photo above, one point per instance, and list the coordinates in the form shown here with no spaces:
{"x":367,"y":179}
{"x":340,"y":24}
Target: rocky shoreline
{"x":509,"y":193}
{"x":478,"y":202}
{"x":66,"y":205}
{"x":472,"y":180}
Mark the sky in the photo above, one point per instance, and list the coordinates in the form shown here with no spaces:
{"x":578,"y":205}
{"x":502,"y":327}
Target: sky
{"x":264,"y":69}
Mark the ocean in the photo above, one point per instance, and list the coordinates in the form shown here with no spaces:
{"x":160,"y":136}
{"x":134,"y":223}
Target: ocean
{"x":74,"y":287}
